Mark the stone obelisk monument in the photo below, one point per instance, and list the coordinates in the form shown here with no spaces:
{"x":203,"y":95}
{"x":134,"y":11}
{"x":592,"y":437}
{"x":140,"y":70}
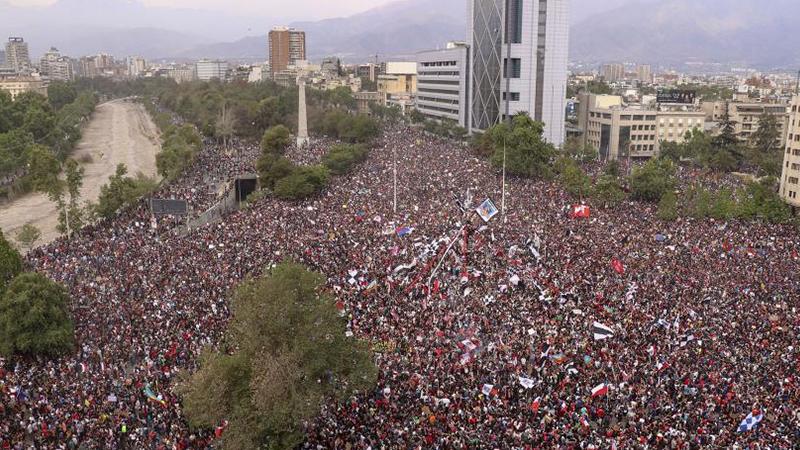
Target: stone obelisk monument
{"x":302,"y":118}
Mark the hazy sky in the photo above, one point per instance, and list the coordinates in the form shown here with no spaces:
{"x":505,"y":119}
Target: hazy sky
{"x":307,"y":9}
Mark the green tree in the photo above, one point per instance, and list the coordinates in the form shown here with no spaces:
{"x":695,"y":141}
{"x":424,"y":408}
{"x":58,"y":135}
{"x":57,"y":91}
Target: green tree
{"x":272,"y":168}
{"x":575,"y":181}
{"x":762,"y":202}
{"x":608,"y":191}
{"x":521,"y":146}
{"x":71,"y":215}
{"x":612,"y":168}
{"x":28,"y":235}
{"x":341,"y":159}
{"x":14,"y":150}
{"x":651,"y":181}
{"x":580,"y":152}
{"x":287,"y":354}
{"x":302,"y":183}
{"x":60,"y":94}
{"x":10,"y":262}
{"x":34,"y":319}
{"x":43,"y":170}
{"x":276,"y":140}
{"x":121,"y":191}
{"x":764,"y":153}
{"x":668,"y":206}
{"x":726,"y":151}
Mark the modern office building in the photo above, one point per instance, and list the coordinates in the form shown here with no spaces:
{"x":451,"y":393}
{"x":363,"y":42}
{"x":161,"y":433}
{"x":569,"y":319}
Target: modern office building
{"x":790,"y":178}
{"x":518,"y":62}
{"x":287,"y":46}
{"x":17,"y":56}
{"x":617,"y":130}
{"x":442,"y":80}
{"x":208,"y":70}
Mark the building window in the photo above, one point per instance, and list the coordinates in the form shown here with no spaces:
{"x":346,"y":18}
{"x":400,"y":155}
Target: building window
{"x":793,"y":180}
{"x":514,"y":69}
{"x":513,"y":96}
{"x":514,"y":25}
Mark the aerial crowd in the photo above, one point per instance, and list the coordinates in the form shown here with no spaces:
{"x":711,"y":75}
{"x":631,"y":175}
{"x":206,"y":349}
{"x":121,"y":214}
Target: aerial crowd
{"x":535,"y":329}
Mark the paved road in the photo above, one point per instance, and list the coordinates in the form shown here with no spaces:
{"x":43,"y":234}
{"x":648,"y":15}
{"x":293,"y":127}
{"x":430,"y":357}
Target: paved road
{"x":120,"y":132}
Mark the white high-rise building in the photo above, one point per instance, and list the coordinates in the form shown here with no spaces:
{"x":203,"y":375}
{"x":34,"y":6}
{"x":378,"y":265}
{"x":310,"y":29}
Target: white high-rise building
{"x":55,"y":67}
{"x":518,"y":59}
{"x":17,"y":54}
{"x":136,"y":66}
{"x":208,"y":70}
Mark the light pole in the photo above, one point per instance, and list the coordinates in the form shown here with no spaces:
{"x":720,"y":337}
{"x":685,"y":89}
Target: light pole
{"x":503,"y":201}
{"x":394,"y":157}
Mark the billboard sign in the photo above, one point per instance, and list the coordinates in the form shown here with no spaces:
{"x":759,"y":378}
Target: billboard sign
{"x":677,"y":97}
{"x":169,"y":207}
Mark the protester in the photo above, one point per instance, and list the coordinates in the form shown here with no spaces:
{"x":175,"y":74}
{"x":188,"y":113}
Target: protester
{"x":487,"y":335}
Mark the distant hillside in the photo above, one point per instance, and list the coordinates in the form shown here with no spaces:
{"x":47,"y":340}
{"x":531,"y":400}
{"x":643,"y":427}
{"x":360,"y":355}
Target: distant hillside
{"x":396,"y":30}
{"x":754,"y":32}
{"x":674,"y":31}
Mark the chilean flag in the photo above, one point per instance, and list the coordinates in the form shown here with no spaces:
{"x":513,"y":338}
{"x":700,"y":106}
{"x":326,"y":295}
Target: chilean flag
{"x":599,"y":390}
{"x":581,"y":212}
{"x":618,"y":266}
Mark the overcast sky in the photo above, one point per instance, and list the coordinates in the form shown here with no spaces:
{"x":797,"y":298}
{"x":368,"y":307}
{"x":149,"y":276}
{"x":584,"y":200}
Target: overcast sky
{"x":293,"y":9}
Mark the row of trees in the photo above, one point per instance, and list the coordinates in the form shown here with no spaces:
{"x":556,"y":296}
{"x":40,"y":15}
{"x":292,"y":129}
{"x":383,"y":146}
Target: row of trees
{"x":34,"y":319}
{"x":341,"y":124}
{"x":761,"y":153}
{"x":285,"y":354}
{"x":34,"y":122}
{"x":520,"y":147}
{"x":179,"y":148}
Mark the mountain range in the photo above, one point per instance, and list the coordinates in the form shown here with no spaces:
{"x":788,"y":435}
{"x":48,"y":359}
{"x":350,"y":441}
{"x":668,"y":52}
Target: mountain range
{"x":655,"y":31}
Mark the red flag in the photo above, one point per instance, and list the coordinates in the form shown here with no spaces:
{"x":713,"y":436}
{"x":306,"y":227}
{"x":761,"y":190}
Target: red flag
{"x":535,"y":405}
{"x":618,"y":266}
{"x":581,"y":212}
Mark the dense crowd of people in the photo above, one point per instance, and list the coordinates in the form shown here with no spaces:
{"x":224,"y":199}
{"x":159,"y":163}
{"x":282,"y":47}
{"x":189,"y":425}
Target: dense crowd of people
{"x":532,"y":330}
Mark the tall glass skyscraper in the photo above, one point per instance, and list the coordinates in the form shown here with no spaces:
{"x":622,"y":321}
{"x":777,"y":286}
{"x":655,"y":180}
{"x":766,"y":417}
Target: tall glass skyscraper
{"x":518,"y":59}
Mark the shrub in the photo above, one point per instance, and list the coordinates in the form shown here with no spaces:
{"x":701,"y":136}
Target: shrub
{"x":34,"y":319}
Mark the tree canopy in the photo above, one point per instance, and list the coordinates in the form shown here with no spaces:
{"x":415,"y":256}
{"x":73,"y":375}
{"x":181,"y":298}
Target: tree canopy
{"x":34,"y":319}
{"x":10,"y":262}
{"x":276,"y":140}
{"x":527,"y":154}
{"x":287,"y":353}
{"x":651,"y":181}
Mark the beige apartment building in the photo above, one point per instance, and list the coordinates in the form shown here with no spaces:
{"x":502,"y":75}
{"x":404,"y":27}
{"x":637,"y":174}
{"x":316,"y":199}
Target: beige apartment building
{"x":619,"y":131}
{"x":746,"y":115}
{"x":790,"y":178}
{"x":17,"y":85}
{"x":400,"y":81}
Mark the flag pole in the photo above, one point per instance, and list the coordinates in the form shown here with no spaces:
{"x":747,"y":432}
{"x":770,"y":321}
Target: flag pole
{"x":503,"y":206}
